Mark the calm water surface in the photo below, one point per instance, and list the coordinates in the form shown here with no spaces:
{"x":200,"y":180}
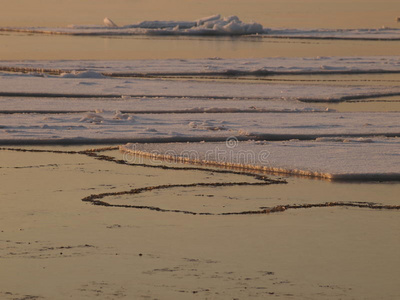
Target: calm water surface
{"x":270,"y":13}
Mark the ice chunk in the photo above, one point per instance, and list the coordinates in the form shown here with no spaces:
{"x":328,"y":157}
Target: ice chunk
{"x":109,"y":23}
{"x":84,"y":74}
{"x":92,"y":118}
{"x":208,"y":19}
{"x":231,"y":25}
{"x":120,"y":116}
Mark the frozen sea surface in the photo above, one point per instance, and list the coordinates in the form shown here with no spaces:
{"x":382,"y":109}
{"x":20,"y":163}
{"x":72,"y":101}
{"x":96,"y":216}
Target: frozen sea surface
{"x":211,"y":66}
{"x":65,"y":102}
{"x":120,"y":79}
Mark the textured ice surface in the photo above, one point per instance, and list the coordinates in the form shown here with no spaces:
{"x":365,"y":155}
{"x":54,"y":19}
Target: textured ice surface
{"x":155,"y":105}
{"x":110,"y":125}
{"x":79,"y":102}
{"x":336,"y":159}
{"x":118,"y":87}
{"x":82,"y":103}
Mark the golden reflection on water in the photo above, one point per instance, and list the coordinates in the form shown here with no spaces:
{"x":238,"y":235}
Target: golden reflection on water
{"x":54,"y":47}
{"x":270,"y":13}
{"x":75,"y":247}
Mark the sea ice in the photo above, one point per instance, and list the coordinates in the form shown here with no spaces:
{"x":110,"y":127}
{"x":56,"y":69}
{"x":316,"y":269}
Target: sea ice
{"x":97,"y":85}
{"x":330,"y":159}
{"x":107,"y":126}
{"x":218,"y":67}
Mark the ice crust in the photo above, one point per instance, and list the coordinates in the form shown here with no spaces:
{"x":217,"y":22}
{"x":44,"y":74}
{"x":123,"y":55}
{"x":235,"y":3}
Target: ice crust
{"x":155,"y":105}
{"x":107,"y":126}
{"x":216,"y":25}
{"x":96,"y":85}
{"x":334,"y":159}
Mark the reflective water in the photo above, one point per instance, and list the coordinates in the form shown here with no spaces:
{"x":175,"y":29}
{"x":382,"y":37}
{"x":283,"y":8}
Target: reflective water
{"x":270,"y":13}
{"x":96,"y":252}
{"x":19,"y":46}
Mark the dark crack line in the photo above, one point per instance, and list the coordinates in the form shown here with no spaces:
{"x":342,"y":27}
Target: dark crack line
{"x":349,"y":98}
{"x":161,"y":112}
{"x":39,"y":150}
{"x":31,"y":167}
{"x":228,"y":74}
{"x":183,"y":139}
{"x":94,"y":199}
{"x":199,"y":97}
{"x":373,"y":100}
{"x":121,"y":96}
{"x":281,"y":208}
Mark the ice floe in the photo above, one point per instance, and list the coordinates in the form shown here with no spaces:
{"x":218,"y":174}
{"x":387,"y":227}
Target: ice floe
{"x":152,"y":105}
{"x":93,"y":87}
{"x":329,"y":159}
{"x":81,"y":102}
{"x":111,"y":126}
{"x":214,"y":66}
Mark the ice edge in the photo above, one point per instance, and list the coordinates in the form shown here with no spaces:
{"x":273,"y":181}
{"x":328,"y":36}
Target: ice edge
{"x":276,"y":170}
